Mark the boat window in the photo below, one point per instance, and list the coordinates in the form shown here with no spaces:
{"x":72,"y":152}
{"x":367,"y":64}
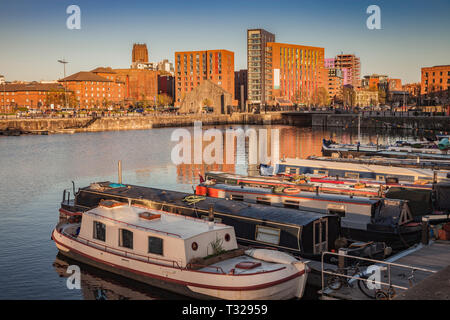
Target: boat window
{"x":324,"y":172}
{"x":292,"y":170}
{"x":268,"y":235}
{"x":352,"y":175}
{"x":237,"y":197}
{"x":291,"y":204}
{"x":99,"y":231}
{"x":155,"y":245}
{"x":263,"y":200}
{"x":379,"y":178}
{"x":126,"y":238}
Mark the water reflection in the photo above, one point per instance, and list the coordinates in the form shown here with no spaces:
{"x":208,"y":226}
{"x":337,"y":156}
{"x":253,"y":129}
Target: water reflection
{"x":101,"y":285}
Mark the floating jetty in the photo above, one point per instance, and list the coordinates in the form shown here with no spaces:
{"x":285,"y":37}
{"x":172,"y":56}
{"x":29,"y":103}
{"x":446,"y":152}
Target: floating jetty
{"x":408,"y":274}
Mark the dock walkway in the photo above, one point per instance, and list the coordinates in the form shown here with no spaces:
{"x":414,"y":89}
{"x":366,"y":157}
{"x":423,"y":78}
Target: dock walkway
{"x":434,"y":257}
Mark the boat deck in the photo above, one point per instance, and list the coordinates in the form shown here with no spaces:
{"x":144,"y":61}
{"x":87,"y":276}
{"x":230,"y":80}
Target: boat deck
{"x":435,"y":257}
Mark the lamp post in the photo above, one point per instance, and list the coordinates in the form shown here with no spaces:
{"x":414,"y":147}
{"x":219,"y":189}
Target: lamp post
{"x":64,"y":62}
{"x":4,"y":96}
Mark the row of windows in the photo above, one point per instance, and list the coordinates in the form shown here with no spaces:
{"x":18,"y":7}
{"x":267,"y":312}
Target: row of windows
{"x":155,"y":244}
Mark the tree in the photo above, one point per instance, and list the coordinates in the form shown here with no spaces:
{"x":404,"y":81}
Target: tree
{"x":349,"y":96}
{"x":164,"y":100}
{"x":322,"y":97}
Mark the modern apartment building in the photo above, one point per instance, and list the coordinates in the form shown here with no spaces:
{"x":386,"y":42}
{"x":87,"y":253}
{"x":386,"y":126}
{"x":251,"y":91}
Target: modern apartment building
{"x":294,"y":72}
{"x":194,"y":67}
{"x":435,"y":79}
{"x":257,"y":40}
{"x":353,"y":65}
{"x":335,"y":82}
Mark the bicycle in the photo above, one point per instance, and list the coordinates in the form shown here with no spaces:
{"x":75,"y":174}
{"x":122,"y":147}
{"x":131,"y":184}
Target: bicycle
{"x":390,"y":293}
{"x":335,"y":281}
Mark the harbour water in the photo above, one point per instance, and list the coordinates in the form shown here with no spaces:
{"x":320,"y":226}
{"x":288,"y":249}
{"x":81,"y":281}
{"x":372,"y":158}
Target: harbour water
{"x":34,"y":171}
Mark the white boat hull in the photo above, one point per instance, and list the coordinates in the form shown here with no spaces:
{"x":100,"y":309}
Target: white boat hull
{"x":284,"y":283}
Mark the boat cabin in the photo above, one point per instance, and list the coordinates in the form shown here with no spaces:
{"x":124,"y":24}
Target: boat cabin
{"x":142,"y":232}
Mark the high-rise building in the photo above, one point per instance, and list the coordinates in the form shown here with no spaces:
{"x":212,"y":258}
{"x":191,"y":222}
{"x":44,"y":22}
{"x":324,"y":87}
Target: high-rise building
{"x":335,"y":83}
{"x":294,"y":72}
{"x":194,"y":67}
{"x":140,"y":53}
{"x":353,"y":65}
{"x":257,"y":40}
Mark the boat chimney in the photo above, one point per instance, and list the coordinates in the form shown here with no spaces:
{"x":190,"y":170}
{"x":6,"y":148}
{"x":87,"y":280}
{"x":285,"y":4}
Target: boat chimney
{"x":120,"y":171}
{"x":211,"y":213}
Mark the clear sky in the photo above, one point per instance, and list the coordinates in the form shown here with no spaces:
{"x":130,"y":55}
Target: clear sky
{"x":33,"y":34}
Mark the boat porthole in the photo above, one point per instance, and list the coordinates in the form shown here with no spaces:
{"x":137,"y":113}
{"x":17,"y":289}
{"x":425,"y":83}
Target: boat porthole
{"x":194,"y":246}
{"x":227,"y":237}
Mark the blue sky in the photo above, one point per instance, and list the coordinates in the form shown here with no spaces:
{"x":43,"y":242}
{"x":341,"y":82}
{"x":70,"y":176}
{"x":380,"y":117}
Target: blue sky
{"x":33,"y":34}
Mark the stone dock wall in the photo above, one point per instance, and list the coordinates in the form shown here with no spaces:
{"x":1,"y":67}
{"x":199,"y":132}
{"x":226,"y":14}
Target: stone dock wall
{"x":135,"y":122}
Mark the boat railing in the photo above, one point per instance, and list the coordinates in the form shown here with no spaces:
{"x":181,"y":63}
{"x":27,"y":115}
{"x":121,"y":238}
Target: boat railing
{"x":128,"y":254}
{"x":363,"y":273}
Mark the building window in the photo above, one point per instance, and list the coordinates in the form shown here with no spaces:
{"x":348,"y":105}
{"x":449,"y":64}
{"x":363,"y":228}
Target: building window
{"x":268,"y":235}
{"x":126,"y":238}
{"x":99,"y":231}
{"x":155,"y":245}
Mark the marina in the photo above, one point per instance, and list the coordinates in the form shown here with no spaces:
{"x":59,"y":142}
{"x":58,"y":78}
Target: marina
{"x":307,"y":234}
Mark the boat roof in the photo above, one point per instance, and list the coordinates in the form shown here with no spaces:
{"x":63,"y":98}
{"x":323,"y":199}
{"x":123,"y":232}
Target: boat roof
{"x":326,"y":165}
{"x":307,"y":194}
{"x":169,"y":224}
{"x":220,"y":206}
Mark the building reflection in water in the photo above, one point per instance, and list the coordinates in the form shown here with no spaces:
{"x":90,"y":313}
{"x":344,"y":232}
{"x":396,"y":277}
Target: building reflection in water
{"x":97,"y":284}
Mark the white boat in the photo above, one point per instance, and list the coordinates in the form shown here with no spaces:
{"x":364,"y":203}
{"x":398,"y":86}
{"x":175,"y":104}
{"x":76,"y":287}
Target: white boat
{"x":189,"y":256}
{"x":354,"y":171}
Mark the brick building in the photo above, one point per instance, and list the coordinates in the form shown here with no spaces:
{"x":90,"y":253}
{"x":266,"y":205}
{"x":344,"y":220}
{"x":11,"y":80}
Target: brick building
{"x":140,"y":84}
{"x":435,"y":79}
{"x":33,"y":95}
{"x":140,"y":53}
{"x":98,"y":88}
{"x":413,"y":89}
{"x":294,"y":72}
{"x":366,"y":98}
{"x":166,"y":85}
{"x":194,"y":67}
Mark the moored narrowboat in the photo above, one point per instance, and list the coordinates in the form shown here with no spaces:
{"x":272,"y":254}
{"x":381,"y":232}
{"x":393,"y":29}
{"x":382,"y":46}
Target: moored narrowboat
{"x":189,"y":256}
{"x":300,"y":233}
{"x":363,"y":219}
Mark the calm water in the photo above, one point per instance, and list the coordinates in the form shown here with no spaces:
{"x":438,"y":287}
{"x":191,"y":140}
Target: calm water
{"x":34,"y":171}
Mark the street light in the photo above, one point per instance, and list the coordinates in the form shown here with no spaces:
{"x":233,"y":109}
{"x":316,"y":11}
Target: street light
{"x":64,"y":62}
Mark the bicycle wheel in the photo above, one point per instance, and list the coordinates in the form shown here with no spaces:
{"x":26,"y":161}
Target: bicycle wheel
{"x":362,"y":285}
{"x":381,"y":295}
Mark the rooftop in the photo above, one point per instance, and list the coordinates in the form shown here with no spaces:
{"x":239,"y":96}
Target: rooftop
{"x":171,"y":225}
{"x":32,"y":86}
{"x":85,"y":76}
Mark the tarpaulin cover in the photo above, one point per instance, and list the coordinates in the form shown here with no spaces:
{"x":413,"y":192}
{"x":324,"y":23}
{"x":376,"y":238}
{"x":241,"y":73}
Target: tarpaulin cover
{"x":419,"y":200}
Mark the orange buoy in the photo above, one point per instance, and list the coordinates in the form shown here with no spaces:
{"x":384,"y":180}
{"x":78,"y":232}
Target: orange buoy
{"x":291,"y":190}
